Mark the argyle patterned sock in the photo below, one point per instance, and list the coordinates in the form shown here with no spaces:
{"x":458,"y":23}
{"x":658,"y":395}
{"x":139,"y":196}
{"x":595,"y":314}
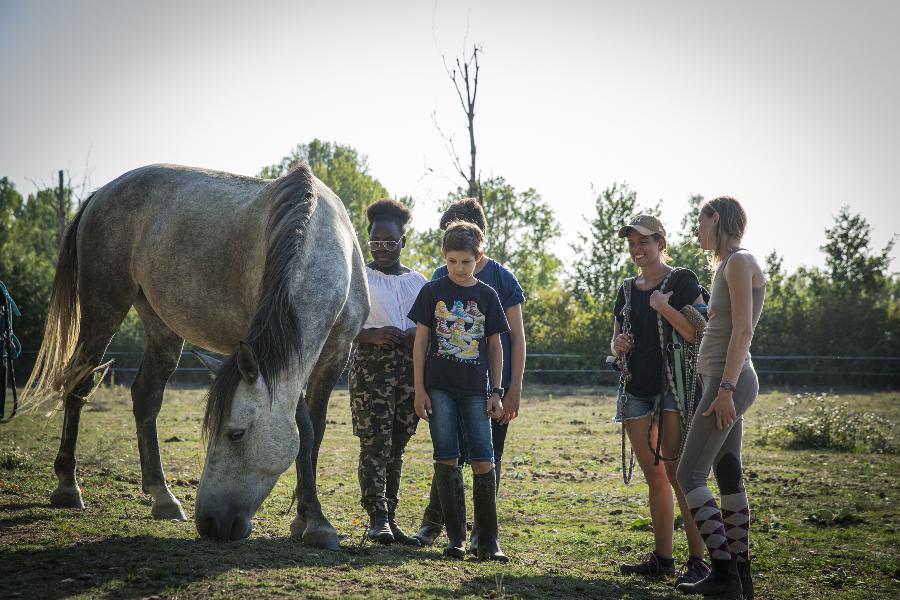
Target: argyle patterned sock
{"x":709,"y":521}
{"x":736,"y":515}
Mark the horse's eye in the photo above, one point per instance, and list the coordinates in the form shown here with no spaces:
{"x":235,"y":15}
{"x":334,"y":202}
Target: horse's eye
{"x":235,"y":434}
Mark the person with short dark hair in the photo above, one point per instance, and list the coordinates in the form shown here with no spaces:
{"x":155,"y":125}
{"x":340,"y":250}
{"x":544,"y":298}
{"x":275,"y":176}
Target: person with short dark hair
{"x":381,"y":374}
{"x":512,"y":297}
{"x":459,"y":320}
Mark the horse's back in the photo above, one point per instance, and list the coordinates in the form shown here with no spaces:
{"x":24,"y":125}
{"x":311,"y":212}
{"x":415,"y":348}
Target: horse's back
{"x":191,"y":240}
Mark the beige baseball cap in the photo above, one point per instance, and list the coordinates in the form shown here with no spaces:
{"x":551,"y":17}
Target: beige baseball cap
{"x":643,"y":224}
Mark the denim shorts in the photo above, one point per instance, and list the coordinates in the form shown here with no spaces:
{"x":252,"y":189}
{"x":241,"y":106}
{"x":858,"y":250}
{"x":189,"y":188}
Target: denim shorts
{"x":637,"y":407}
{"x":452,"y":412}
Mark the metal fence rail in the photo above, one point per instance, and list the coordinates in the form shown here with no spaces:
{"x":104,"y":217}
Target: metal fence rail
{"x":562,"y":368}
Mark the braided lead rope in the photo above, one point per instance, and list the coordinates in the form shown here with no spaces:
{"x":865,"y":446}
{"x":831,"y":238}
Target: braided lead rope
{"x":627,"y":471}
{"x":668,"y":385}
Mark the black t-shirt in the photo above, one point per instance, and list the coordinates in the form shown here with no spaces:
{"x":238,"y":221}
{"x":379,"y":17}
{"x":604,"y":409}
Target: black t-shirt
{"x":645,"y":362}
{"x":461,"y":320}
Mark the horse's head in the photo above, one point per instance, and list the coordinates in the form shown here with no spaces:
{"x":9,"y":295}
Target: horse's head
{"x":252,"y":439}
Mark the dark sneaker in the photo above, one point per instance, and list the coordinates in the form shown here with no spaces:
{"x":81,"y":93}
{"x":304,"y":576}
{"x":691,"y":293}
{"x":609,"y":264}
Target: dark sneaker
{"x":653,"y":566}
{"x":693,"y":571}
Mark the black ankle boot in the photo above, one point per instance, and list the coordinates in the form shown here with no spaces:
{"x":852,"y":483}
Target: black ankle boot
{"x":743,"y":569}
{"x":399,"y":536}
{"x":432,"y":520}
{"x":484,"y":494}
{"x":723,"y":580}
{"x":379,"y":530}
{"x":453,"y":504}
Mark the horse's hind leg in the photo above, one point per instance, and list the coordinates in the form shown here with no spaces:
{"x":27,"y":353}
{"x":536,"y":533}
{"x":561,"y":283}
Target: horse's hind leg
{"x":310,"y":522}
{"x":101,"y":316}
{"x":160,"y":360}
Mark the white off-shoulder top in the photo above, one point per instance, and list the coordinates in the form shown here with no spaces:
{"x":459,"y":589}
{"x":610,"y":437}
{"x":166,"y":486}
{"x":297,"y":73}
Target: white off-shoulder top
{"x":391,"y":297}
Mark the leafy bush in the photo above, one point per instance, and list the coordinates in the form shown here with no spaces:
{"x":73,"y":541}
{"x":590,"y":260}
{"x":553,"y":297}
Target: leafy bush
{"x":818,"y":421}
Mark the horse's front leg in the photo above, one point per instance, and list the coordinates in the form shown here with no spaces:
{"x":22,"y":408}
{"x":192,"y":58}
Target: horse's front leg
{"x":310,"y":523}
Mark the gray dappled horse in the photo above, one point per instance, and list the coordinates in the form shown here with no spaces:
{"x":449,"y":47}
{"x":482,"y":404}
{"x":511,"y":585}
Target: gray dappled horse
{"x":267,"y":272}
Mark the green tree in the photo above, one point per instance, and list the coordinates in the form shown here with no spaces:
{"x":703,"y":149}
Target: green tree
{"x":28,"y":249}
{"x":601,"y":261}
{"x":854,"y":268}
{"x":343,"y":169}
{"x":683,"y":248}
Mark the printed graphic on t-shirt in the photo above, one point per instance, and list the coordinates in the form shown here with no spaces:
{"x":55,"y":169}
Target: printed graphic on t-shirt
{"x":458,"y":331}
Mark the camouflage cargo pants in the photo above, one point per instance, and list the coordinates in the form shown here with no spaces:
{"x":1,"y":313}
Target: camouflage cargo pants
{"x":384,"y":419}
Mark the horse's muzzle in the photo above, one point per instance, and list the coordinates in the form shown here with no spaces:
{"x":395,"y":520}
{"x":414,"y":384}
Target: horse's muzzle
{"x":222,"y":526}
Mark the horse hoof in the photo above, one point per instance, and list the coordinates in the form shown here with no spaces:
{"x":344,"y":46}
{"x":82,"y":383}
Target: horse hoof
{"x":168,"y":511}
{"x":298,"y":526}
{"x":322,"y":537}
{"x":68,"y":496}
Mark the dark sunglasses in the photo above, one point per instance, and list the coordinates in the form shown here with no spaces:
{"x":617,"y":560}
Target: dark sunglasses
{"x":389,"y":245}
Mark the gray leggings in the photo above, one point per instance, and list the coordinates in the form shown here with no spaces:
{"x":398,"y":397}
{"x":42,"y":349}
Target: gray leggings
{"x":707,"y":447}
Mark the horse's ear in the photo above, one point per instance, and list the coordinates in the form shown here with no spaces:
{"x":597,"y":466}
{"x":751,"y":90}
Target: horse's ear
{"x":211,"y":363}
{"x":246,"y":362}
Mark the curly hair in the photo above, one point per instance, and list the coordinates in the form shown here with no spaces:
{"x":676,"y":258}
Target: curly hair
{"x":462,"y":236}
{"x":388,"y":209}
{"x":467,"y":209}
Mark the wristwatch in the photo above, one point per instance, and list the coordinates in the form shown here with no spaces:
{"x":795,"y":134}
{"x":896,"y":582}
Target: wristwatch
{"x":728,"y":386}
{"x":499,"y":391}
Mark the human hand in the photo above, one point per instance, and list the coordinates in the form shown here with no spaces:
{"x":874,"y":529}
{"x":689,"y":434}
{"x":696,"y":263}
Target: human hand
{"x":723,"y":406}
{"x":623,"y":343}
{"x":409,"y":338}
{"x":494,"y":406}
{"x":658,"y":299}
{"x":510,"y":405}
{"x":422,"y":404}
{"x":386,"y":336}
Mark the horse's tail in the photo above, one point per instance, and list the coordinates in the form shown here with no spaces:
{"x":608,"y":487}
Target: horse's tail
{"x":58,"y":367}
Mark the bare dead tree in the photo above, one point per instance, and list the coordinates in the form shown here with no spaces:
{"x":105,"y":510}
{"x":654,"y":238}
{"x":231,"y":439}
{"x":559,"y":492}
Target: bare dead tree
{"x":465,"y":79}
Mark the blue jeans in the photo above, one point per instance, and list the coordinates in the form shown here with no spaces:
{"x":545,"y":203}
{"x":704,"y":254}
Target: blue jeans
{"x":454,"y":411}
{"x":637,"y":407}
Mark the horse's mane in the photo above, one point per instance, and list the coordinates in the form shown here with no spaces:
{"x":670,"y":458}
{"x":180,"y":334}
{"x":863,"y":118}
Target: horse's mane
{"x":274,"y":332}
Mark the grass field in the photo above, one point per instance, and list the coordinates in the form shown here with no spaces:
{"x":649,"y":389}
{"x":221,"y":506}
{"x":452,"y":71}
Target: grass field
{"x":567,"y":520}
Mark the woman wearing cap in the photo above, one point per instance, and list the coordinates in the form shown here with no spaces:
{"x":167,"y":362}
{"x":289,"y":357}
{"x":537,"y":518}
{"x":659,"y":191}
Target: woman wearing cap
{"x":638,"y":403}
{"x":730,"y":386}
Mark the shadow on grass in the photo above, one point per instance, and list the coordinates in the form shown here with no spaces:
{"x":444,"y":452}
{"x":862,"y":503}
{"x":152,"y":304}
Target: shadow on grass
{"x":142,"y":566}
{"x":127,"y":567}
{"x":550,"y":586}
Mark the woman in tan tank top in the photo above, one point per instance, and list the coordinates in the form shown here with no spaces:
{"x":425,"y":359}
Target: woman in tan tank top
{"x":730,"y":386}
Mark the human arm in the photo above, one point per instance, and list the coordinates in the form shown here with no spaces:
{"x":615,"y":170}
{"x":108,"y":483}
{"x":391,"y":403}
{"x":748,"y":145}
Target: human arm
{"x":494,"y":405}
{"x":517,"y":352}
{"x":422,"y":402}
{"x":380,"y":336}
{"x":739,"y":275}
{"x":660,"y":303}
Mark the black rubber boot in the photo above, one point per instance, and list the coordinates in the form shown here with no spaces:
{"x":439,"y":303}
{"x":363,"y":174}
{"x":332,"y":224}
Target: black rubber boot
{"x":432,"y":520}
{"x":723,"y":580}
{"x":453,"y":504}
{"x":473,"y":540}
{"x":399,"y":536}
{"x":743,"y":569}
{"x":391,"y":494}
{"x":379,"y":530}
{"x":484,"y":494}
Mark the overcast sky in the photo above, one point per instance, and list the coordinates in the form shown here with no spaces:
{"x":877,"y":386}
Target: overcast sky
{"x":792,"y":107}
